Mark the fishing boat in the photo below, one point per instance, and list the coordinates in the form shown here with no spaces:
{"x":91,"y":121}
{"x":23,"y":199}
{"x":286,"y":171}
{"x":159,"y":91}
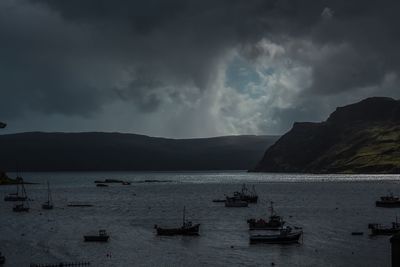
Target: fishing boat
{"x":233,"y":202}
{"x":19,"y":195}
{"x":389,"y":201}
{"x":379,"y":229}
{"x":48,"y":205}
{"x":187,"y":228}
{"x":274,"y":222}
{"x":79,"y":204}
{"x":246,"y":195}
{"x":101,"y":237}
{"x":285,"y":236}
{"x":2,"y":259}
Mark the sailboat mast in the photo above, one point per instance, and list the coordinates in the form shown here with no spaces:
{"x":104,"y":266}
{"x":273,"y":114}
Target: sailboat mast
{"x":48,"y":192}
{"x":183,"y":219}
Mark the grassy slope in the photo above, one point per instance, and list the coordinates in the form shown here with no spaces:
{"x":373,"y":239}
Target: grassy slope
{"x":373,"y":149}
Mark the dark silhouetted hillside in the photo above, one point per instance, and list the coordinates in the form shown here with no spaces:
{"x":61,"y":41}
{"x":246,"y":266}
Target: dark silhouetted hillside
{"x":36,"y":151}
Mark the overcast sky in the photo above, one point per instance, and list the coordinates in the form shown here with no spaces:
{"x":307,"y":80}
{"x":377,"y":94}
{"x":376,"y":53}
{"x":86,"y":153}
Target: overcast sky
{"x":190,"y":68}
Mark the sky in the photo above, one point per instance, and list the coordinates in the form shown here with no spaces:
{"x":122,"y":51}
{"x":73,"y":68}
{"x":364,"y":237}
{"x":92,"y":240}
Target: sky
{"x":189,"y":68}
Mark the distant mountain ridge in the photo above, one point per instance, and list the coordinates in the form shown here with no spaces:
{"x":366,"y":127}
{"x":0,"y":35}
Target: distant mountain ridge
{"x":359,"y":138}
{"x":96,"y":151}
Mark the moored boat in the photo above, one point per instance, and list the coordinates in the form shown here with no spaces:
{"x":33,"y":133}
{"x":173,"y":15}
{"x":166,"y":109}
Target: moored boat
{"x":187,"y":228}
{"x":285,"y":236}
{"x":232,"y":202}
{"x":101,"y":237}
{"x":247,"y":195}
{"x":20,"y":208}
{"x":48,"y":205}
{"x":20,"y":194}
{"x":274,"y":222}
{"x":23,"y":206}
{"x":79,"y":204}
{"x":379,"y":229}
{"x":389,"y":201}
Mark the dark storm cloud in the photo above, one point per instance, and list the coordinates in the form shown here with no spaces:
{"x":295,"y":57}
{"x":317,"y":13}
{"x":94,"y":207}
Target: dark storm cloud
{"x":74,"y":57}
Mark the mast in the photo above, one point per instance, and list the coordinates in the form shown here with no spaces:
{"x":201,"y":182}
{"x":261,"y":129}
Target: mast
{"x":48,"y":193}
{"x":24,"y":194}
{"x":183,"y":219}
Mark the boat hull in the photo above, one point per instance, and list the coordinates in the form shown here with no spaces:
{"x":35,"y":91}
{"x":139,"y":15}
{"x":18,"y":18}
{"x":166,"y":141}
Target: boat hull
{"x":377,"y":229}
{"x":24,"y":209}
{"x":89,"y":238}
{"x":387,"y":204}
{"x":265,"y":225}
{"x":72,"y":204}
{"x":249,"y":199}
{"x":191,"y":231}
{"x":383,"y":231}
{"x":276,"y":239}
{"x":237,"y":204}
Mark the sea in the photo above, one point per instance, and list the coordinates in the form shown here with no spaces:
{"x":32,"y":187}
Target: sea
{"x":327,"y":207}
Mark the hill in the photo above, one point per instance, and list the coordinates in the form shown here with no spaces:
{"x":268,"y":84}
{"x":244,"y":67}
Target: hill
{"x":94,"y":151}
{"x":360,"y":138}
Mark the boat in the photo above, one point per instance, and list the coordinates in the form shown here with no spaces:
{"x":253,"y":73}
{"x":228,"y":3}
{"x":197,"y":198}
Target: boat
{"x":79,"y":204}
{"x":357,"y":233}
{"x":379,"y":229}
{"x":48,"y":205}
{"x":101,"y":237}
{"x":187,"y":228}
{"x":102,"y":185}
{"x":2,"y":259}
{"x":388,"y":201}
{"x":109,"y":181}
{"x":233,"y":202}
{"x":285,"y":236}
{"x":246,"y":195}
{"x":19,"y":195}
{"x":274,"y":222}
{"x":22,"y":207}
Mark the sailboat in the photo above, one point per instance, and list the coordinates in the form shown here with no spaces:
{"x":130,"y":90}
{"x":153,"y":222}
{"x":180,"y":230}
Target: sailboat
{"x":48,"y":205}
{"x":187,"y":228}
{"x":17,"y":196}
{"x":22,"y":207}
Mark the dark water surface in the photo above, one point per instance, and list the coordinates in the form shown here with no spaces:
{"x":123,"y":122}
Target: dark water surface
{"x":328,"y":207}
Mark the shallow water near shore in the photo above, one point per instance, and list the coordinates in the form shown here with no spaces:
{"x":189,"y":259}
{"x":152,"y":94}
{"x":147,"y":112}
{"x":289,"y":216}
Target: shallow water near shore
{"x":328,"y":207}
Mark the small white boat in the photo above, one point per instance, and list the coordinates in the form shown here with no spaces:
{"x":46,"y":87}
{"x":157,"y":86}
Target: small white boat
{"x":285,"y":236}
